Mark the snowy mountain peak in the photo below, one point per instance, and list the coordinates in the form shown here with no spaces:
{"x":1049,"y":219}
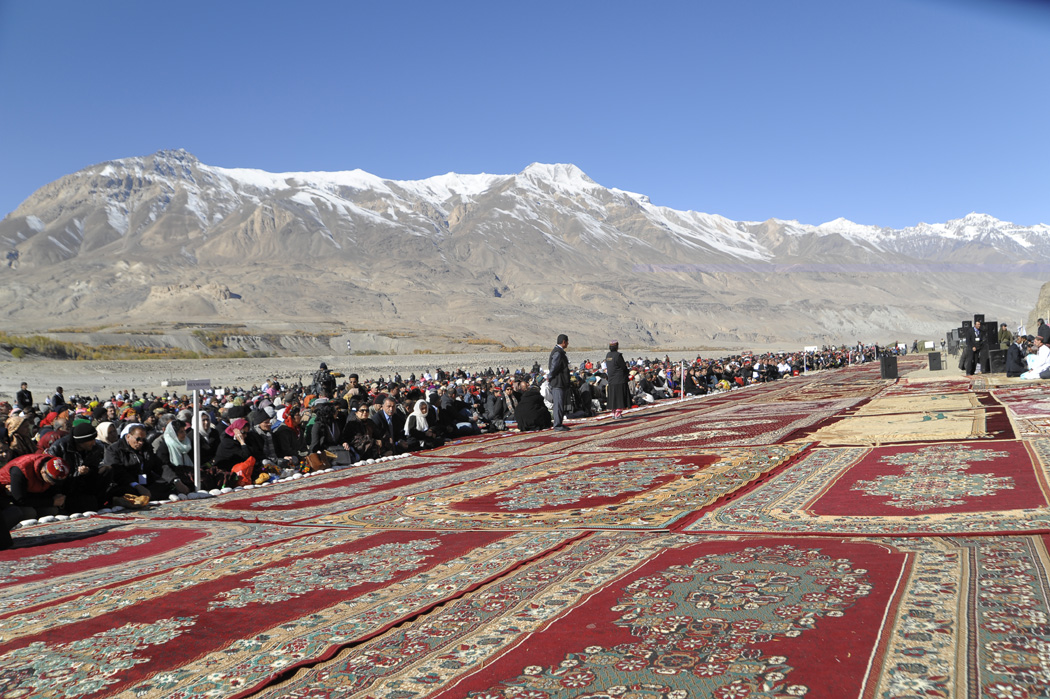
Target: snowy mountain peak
{"x":564,"y":175}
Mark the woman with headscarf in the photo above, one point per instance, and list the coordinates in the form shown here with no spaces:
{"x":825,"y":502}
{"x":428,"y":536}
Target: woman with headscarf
{"x":106,"y":433}
{"x":233,"y":446}
{"x":287,"y":436}
{"x":419,"y":433}
{"x":19,"y":441}
{"x":175,"y":452}
{"x":209,"y":437}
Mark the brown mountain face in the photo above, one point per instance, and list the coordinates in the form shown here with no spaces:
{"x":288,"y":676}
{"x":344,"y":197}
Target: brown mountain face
{"x":149,"y":243}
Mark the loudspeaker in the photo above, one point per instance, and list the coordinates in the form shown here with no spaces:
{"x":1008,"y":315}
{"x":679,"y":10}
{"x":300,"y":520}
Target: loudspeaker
{"x":935,"y":361}
{"x":967,"y":324}
{"x":997,"y":359}
{"x":888,"y":366}
{"x":978,"y":317}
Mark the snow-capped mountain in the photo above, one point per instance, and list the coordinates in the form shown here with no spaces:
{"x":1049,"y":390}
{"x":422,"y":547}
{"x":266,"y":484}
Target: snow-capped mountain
{"x":501,"y":256}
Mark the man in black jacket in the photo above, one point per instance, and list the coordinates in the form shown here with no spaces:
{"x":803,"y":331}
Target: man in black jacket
{"x":24,"y":398}
{"x":89,"y":482}
{"x":1015,"y":354}
{"x":973,"y":342}
{"x":558,"y":364}
{"x":391,"y":423}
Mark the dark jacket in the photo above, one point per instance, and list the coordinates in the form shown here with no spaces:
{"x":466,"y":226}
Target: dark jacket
{"x":395,"y":429}
{"x":321,"y":436}
{"x":24,"y":399}
{"x":286,"y":441}
{"x":127,"y":464}
{"x":230,"y":452}
{"x":495,"y":407}
{"x":532,"y":413}
{"x":1015,"y":364}
{"x":558,"y":365}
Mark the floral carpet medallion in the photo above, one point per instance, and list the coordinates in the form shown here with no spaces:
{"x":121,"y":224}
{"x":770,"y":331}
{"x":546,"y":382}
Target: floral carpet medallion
{"x":701,"y":628}
{"x":234,"y":623}
{"x":581,"y":490}
{"x":936,"y":478}
{"x":957,"y":488}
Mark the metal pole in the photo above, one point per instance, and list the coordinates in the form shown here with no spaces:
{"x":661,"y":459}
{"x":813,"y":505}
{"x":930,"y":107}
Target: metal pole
{"x":681,"y":380}
{"x":196,"y":442}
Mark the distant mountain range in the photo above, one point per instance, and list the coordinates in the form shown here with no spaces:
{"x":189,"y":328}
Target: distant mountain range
{"x":161,"y":240}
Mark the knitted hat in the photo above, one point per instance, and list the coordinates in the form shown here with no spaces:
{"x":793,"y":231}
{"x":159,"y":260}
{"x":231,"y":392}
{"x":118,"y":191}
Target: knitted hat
{"x":83,"y":432}
{"x":258,"y":417}
{"x":54,"y":470}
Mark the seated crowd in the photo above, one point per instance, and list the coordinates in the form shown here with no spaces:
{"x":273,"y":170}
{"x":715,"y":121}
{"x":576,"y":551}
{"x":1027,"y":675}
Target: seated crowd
{"x":85,"y":454}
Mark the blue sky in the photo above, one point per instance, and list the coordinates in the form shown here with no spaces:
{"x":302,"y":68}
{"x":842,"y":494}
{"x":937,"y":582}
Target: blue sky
{"x":885,"y":112}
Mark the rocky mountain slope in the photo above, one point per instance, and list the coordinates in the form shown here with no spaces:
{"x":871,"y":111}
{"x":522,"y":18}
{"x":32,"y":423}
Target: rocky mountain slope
{"x":165,"y":239}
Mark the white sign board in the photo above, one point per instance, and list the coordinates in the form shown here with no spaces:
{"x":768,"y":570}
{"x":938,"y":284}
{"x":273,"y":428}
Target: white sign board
{"x":198,"y":384}
{"x":929,"y":344}
{"x":814,"y":348}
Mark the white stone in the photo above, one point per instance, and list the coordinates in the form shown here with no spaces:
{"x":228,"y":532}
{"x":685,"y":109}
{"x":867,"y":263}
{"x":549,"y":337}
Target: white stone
{"x":117,"y":508}
{"x":47,"y":520}
{"x":182,"y":496}
{"x":173,"y":497}
{"x":226,"y":490}
{"x":28,"y":522}
{"x":214,"y":491}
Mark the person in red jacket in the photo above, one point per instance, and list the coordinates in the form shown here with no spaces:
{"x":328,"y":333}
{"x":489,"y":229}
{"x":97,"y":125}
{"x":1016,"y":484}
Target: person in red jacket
{"x":30,"y":483}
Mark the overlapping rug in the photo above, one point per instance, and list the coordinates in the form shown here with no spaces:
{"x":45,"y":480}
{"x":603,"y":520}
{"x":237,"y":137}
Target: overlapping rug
{"x":232,"y":623}
{"x":672,"y":617}
{"x":952,"y":488}
{"x":830,"y":535}
{"x":581,"y":491}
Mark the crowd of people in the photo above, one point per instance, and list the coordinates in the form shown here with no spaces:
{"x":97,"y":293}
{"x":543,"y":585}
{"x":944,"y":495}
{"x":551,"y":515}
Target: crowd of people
{"x":80,"y":454}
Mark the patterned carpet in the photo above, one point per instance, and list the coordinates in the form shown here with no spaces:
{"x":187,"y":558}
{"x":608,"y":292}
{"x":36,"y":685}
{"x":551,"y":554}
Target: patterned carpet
{"x":832,"y":535}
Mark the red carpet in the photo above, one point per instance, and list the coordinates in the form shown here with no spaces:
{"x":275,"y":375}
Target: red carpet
{"x":716,"y":547}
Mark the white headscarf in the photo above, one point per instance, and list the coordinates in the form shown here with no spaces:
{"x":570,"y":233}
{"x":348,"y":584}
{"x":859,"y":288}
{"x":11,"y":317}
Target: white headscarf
{"x":178,"y":449}
{"x":421,"y":420}
{"x":103,"y":432}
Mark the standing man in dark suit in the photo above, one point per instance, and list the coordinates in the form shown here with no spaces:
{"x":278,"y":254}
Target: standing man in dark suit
{"x":24,"y":398}
{"x":558,"y":364}
{"x":973,"y":343}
